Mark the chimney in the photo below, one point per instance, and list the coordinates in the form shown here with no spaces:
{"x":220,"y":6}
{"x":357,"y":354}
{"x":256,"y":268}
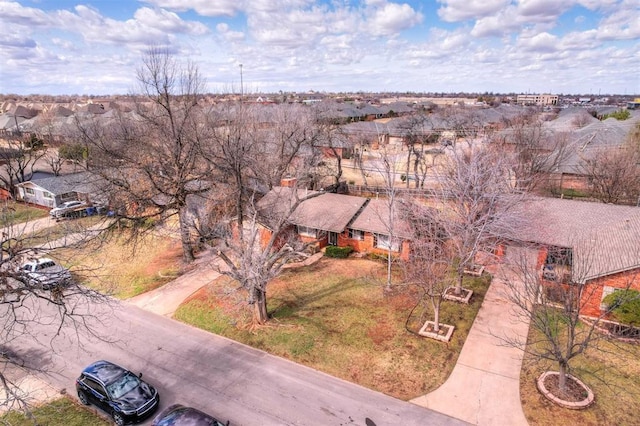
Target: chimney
{"x":289,"y":182}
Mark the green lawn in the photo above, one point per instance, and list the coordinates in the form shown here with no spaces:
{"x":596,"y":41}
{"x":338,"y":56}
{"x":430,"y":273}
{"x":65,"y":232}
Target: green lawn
{"x":12,"y":212}
{"x":333,"y":316}
{"x":61,"y":412}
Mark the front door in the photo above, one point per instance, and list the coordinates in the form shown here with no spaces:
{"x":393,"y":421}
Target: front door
{"x":333,"y":238}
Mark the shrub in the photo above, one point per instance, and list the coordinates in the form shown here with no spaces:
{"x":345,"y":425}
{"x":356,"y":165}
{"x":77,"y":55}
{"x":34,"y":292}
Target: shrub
{"x":625,"y":306}
{"x":338,"y":252}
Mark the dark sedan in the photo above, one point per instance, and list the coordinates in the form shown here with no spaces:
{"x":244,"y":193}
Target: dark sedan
{"x":179,"y":415}
{"x":117,"y":391}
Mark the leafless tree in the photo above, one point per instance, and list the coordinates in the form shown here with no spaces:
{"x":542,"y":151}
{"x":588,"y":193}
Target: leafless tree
{"x":256,"y":253}
{"x":26,"y":306}
{"x":614,"y":175}
{"x":17,"y":161}
{"x":153,"y":160}
{"x":429,"y":266}
{"x":253,"y":149}
{"x":555,"y":299}
{"x":476,"y":202}
{"x":420,"y":140}
{"x":535,"y":152}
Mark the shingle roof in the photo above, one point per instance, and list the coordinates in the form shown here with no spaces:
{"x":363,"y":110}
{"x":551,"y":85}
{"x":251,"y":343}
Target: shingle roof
{"x":605,"y":238}
{"x":374,"y":218}
{"x":78,"y":182}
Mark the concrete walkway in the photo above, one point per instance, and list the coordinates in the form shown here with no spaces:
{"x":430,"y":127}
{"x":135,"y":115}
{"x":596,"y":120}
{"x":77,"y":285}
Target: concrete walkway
{"x":484,"y":387}
{"x":166,"y":299}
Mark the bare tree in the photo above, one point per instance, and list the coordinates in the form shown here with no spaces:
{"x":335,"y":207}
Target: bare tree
{"x":253,"y":150}
{"x":26,"y":306}
{"x":256,"y":253}
{"x":17,"y":161}
{"x":154,"y":160}
{"x":535,"y":152}
{"x":429,"y":266}
{"x":614,"y":175}
{"x":555,"y":298}
{"x":476,"y":202}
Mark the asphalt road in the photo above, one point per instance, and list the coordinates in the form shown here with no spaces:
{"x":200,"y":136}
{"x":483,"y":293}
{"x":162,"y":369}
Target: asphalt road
{"x":224,"y":378}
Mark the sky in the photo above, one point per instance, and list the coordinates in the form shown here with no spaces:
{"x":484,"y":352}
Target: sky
{"x":94,"y":47}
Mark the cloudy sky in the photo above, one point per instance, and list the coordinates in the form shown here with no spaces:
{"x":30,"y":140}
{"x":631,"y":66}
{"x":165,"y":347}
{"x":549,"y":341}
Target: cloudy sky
{"x":522,"y":46}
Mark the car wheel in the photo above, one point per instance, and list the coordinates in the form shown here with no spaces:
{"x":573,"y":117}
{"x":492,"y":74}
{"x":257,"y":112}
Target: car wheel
{"x":83,"y":397}
{"x":117,"y":418}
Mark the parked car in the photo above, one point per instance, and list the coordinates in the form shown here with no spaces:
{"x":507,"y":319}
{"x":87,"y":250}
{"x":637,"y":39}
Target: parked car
{"x":46,"y":273}
{"x":117,"y":391}
{"x":179,"y":415}
{"x":66,"y":207}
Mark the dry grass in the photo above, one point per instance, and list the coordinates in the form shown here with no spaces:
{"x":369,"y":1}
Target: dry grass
{"x":611,"y":369}
{"x":333,"y":316}
{"x":125,"y":269}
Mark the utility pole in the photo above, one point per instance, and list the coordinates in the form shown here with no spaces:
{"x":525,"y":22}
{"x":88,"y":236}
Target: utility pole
{"x":241,"y":88}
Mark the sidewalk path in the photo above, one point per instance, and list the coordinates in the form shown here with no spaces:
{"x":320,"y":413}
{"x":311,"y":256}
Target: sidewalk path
{"x":166,"y":299}
{"x":484,"y":387}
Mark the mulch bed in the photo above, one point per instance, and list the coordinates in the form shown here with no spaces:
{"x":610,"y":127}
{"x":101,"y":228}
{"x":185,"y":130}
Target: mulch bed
{"x":574,"y":392}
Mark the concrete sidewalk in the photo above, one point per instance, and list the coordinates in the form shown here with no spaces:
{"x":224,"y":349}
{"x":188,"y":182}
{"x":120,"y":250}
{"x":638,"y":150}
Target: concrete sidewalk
{"x":484,"y":387}
{"x":166,"y":299}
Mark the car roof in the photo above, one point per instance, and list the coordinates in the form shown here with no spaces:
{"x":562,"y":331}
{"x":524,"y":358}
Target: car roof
{"x":104,"y":371}
{"x":179,"y":414}
{"x":39,"y":260}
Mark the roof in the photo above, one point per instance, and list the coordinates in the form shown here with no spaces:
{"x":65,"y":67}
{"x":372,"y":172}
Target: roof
{"x":374,"y":218}
{"x":104,"y":371}
{"x":326,"y":211}
{"x":605,"y":238}
{"x":84,"y":183}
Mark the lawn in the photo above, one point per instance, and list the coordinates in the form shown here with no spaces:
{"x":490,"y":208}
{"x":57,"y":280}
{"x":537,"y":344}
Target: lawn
{"x":12,"y":213}
{"x":64,"y":411}
{"x":125,"y":268}
{"x":333,"y":316}
{"x":612,"y":371}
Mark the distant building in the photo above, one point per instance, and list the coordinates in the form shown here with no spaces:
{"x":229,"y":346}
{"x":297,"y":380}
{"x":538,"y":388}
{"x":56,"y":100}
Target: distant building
{"x":537,"y":99}
{"x":635,"y":104}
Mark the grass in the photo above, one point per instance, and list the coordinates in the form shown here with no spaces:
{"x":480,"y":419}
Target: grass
{"x":12,"y":213}
{"x":126,"y":268}
{"x":333,"y":316}
{"x":611,"y":370}
{"x":63,"y":411}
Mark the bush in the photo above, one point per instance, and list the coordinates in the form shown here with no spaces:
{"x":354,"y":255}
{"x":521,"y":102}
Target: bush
{"x":625,"y":306}
{"x":338,"y":252}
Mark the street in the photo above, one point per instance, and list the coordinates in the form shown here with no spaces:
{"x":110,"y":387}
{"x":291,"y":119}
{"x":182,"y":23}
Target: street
{"x":224,"y":378}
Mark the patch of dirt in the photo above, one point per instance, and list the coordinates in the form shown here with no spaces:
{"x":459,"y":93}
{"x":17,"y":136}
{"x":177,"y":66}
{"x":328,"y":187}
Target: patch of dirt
{"x":573,"y":393}
{"x":171,"y":256}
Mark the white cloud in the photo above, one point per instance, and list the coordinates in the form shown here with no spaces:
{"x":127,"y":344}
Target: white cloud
{"x":542,"y":42}
{"x":391,"y":18}
{"x":17,"y":14}
{"x":202,"y":7}
{"x":463,"y":10}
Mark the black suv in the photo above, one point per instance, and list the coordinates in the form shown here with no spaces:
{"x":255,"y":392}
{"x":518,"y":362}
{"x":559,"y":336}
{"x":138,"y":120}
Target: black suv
{"x":179,"y":415}
{"x":117,"y":391}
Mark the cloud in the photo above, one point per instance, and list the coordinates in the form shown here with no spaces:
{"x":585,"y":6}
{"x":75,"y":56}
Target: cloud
{"x":542,"y":42}
{"x":168,"y":21}
{"x":464,"y":10}
{"x":17,"y":14}
{"x":391,"y":18}
{"x":202,"y":7}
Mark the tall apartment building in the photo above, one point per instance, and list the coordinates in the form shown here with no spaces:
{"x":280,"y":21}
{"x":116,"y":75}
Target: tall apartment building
{"x":537,"y":99}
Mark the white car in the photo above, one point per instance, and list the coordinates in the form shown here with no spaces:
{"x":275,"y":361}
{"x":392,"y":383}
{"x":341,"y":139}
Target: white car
{"x":46,"y":273}
{"x":65,"y":207}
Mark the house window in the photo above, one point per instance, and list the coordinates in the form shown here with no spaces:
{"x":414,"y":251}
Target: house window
{"x":48,"y":195}
{"x":606,"y":290}
{"x":384,"y":242}
{"x":307,"y":231}
{"x":30,"y":191}
{"x":356,"y":234}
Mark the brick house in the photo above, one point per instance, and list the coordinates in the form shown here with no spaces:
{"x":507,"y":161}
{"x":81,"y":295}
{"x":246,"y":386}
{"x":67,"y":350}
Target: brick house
{"x":336,"y":219}
{"x":593,"y":244}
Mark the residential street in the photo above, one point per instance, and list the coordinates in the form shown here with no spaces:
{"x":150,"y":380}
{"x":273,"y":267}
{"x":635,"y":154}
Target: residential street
{"x":225,"y":378}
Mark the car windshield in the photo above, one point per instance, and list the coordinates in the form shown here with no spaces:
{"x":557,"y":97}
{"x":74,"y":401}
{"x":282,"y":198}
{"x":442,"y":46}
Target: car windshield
{"x":123,"y":385}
